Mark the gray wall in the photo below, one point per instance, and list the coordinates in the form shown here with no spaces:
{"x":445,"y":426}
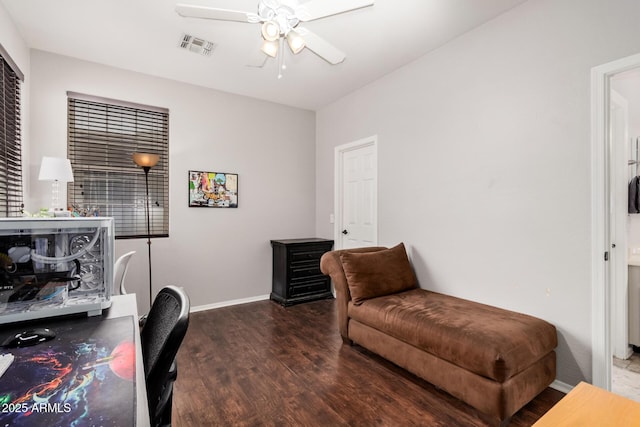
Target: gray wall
{"x":218,"y":255}
{"x":484,"y":160}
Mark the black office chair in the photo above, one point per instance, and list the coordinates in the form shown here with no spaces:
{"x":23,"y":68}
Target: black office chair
{"x":161,"y":336}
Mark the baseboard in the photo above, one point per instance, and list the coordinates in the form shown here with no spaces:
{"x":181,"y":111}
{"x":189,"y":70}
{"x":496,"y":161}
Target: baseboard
{"x":228,"y":303}
{"x":560,"y":386}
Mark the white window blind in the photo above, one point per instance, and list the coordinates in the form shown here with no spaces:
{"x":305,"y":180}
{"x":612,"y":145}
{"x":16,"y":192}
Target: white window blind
{"x":103,"y":134}
{"x":11,"y":203}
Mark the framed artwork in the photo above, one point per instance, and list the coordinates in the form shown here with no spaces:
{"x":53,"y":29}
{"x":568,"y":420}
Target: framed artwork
{"x":213,"y":189}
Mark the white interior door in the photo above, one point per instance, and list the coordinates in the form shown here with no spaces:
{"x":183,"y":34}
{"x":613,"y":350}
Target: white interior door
{"x":356,"y":194}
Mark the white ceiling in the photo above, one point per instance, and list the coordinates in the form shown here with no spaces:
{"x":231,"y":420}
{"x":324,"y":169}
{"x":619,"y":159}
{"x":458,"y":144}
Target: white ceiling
{"x":144,"y":35}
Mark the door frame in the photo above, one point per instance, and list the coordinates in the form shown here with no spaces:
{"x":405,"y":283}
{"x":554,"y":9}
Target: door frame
{"x":601,"y":293}
{"x":619,"y":112}
{"x":339,"y":152}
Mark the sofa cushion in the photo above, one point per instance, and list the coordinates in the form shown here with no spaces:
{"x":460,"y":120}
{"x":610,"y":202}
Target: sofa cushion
{"x":374,"y":274}
{"x":486,"y":340}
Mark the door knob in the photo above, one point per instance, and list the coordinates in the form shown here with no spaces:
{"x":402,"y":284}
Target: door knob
{"x":345,"y":232}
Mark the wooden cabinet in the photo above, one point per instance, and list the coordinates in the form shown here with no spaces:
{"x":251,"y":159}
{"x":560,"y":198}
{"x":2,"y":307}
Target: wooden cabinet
{"x":296,"y":270}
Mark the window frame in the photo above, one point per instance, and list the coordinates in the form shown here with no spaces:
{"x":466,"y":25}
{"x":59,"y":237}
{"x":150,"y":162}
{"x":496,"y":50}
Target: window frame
{"x":11,"y":189}
{"x":102,"y":136}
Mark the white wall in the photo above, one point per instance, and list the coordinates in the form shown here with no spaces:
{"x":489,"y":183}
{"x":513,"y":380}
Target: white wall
{"x":11,"y":40}
{"x":484,"y":160}
{"x":218,"y":255}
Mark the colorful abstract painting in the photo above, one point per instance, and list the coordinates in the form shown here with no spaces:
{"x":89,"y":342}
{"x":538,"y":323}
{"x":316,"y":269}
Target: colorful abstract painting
{"x":213,"y":189}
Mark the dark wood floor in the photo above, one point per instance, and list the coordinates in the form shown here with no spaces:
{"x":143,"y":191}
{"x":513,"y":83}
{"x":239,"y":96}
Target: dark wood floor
{"x":261,"y":364}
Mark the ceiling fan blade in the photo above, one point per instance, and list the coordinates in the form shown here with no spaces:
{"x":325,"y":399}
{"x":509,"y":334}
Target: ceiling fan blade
{"x":321,"y":47}
{"x":316,"y":9}
{"x":192,"y":11}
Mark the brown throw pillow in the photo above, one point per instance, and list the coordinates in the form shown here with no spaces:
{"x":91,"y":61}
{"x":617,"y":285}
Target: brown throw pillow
{"x":374,"y":274}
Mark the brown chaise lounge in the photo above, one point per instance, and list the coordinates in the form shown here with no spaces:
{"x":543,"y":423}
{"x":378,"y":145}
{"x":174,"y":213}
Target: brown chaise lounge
{"x":493,"y":359}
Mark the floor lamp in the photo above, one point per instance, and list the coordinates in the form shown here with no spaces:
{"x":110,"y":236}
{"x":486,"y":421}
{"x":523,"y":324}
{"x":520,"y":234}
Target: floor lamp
{"x":146,"y":161}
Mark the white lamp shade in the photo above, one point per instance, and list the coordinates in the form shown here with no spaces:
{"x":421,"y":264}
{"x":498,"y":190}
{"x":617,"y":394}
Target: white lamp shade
{"x":270,"y":48}
{"x":296,"y":42}
{"x":270,"y":31}
{"x":55,"y":169}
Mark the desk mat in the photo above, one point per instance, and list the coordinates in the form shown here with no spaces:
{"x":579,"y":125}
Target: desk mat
{"x":83,"y":377}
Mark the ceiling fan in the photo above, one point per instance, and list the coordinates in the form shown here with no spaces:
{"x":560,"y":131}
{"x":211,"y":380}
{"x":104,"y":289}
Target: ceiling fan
{"x":280,"y":21}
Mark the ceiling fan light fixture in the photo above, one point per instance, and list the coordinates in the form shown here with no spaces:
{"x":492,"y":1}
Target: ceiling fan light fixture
{"x":270,"y":47}
{"x":295,"y":41}
{"x":270,"y":31}
{"x":279,"y":20}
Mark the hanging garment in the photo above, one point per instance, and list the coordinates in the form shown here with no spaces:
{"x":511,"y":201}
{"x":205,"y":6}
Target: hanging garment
{"x":634,"y":195}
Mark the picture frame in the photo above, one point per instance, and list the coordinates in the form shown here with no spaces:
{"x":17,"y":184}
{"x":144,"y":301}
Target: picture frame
{"x":213,"y":189}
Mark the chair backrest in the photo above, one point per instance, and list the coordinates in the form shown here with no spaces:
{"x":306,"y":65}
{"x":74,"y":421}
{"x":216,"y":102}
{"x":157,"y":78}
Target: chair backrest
{"x":120,"y":271}
{"x":161,"y":337}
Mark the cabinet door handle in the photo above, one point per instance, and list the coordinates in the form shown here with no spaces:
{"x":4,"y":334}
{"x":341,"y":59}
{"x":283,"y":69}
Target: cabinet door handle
{"x":345,"y":232}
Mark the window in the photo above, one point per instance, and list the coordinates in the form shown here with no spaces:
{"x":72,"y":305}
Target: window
{"x":103,"y":134}
{"x":10,"y":145}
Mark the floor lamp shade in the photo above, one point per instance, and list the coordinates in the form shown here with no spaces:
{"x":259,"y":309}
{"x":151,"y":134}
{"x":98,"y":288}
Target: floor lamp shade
{"x":146,"y":159}
{"x":57,"y":170}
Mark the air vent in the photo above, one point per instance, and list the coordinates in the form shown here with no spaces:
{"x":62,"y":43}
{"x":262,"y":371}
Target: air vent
{"x":196,"y":45}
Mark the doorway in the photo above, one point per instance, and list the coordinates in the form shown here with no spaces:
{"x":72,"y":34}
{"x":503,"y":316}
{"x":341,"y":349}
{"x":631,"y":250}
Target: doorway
{"x":356,"y":193}
{"x":609,"y":242}
{"x":624,"y":125}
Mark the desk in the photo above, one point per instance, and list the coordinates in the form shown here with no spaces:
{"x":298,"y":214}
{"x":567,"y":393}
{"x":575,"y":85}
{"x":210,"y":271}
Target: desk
{"x":125,"y":305}
{"x":85,"y":375}
{"x":587,"y":405}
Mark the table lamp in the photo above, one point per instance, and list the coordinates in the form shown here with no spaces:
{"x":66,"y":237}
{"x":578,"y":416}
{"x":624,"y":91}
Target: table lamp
{"x":57,"y":170}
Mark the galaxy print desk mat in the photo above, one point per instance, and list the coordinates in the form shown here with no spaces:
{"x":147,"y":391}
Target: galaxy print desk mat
{"x":85,"y":376}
